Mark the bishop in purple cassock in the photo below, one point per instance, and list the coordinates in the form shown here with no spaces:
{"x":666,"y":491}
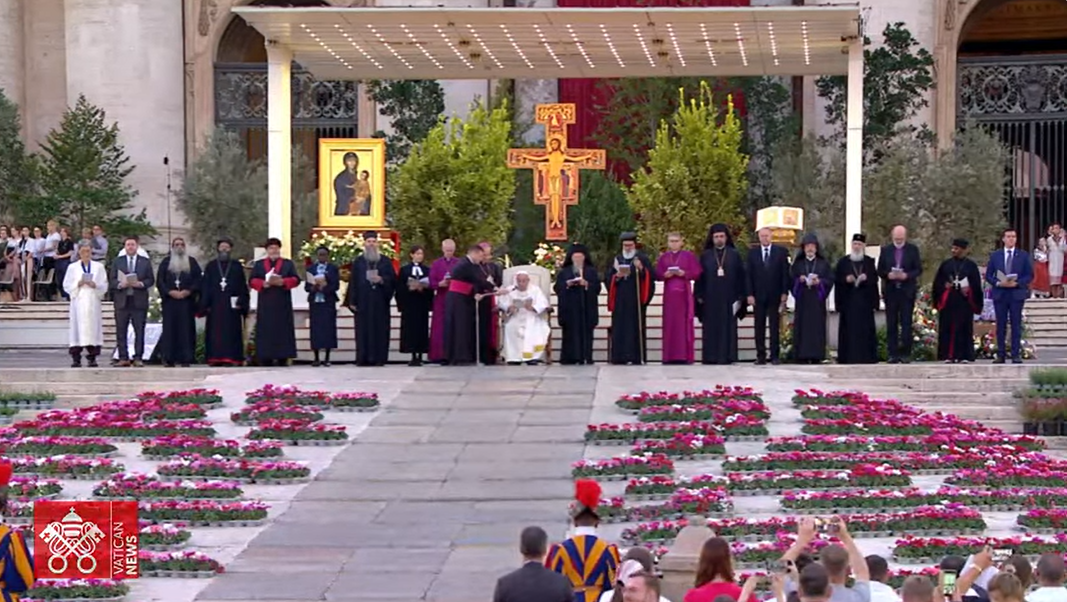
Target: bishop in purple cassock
{"x":678,"y":269}
{"x":440,"y":275}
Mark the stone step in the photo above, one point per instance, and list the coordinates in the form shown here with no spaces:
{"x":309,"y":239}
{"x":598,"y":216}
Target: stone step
{"x":928,"y":370}
{"x":147,"y":376}
{"x":921,"y":385}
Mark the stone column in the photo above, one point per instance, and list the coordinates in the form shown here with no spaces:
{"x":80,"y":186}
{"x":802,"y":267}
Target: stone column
{"x":854,"y":143}
{"x":279,"y":144}
{"x":11,"y":52}
{"x":679,"y":566}
{"x":126,"y":56}
{"x":532,"y":92}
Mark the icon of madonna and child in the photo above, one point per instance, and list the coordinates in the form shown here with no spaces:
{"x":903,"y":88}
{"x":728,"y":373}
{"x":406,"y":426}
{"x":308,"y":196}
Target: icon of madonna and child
{"x":352,"y":183}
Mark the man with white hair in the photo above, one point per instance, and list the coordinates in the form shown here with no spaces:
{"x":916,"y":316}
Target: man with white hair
{"x":526,"y":328}
{"x":178,"y":281}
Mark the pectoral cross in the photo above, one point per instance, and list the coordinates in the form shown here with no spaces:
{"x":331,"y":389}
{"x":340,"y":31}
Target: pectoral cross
{"x":178,"y":281}
{"x":222,"y":284}
{"x":556,"y":167}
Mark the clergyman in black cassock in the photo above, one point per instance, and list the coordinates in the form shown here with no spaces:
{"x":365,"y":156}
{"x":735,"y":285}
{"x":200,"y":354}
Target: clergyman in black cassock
{"x":274,"y":277}
{"x":414,"y":298}
{"x":178,"y":282}
{"x":488,"y":317}
{"x":578,"y":312}
{"x":467,"y":284}
{"x":369,"y":295}
{"x":720,"y":296}
{"x":324,"y":280}
{"x":224,"y":300}
{"x":856,"y":301}
{"x":812,"y":281}
{"x":957,"y":294}
{"x":631,"y":284}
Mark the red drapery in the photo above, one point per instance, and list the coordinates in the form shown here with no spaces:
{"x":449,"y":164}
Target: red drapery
{"x":587,"y":94}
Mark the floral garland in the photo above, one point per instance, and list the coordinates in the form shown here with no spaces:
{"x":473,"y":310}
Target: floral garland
{"x":344,"y":249}
{"x":549,"y":256}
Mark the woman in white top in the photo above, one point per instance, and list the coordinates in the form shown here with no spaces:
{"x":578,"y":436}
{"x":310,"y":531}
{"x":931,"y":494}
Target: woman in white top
{"x":1057,"y":246}
{"x":86,"y":284}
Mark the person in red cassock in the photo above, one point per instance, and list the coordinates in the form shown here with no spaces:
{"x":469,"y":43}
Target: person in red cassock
{"x":273,"y":277}
{"x":588,"y":561}
{"x":958,"y":296}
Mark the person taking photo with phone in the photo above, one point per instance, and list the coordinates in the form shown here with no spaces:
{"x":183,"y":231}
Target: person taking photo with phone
{"x":839,"y":560}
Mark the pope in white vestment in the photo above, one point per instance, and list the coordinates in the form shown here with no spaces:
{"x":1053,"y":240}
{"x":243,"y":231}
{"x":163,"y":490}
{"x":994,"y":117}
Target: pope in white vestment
{"x":86,"y":283}
{"x":526,"y":328}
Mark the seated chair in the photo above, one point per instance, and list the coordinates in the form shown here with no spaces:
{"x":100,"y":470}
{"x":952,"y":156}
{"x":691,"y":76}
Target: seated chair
{"x":43,"y":284}
{"x":541,"y":278}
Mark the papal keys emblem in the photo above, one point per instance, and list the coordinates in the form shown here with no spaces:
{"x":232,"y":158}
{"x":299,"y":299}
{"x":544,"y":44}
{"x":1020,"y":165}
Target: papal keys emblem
{"x":75,"y":537}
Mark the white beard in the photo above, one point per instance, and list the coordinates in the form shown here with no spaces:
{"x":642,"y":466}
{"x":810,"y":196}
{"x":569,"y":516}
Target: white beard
{"x":629,"y":254}
{"x":372,"y":256}
{"x":179,"y":264}
{"x":857,"y":256}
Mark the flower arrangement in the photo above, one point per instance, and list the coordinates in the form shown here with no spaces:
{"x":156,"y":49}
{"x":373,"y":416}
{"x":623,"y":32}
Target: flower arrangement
{"x":297,"y":430}
{"x":76,"y":589}
{"x":27,"y":400}
{"x":1047,"y":475}
{"x":28,"y":488}
{"x":60,"y":446}
{"x":163,"y":537}
{"x":737,"y":424}
{"x":291,"y":395}
{"x":181,"y":445}
{"x":152,"y":563}
{"x":274,"y":410}
{"x":862,"y":475}
{"x":926,"y":549}
{"x":897,"y":499}
{"x":361,"y":401}
{"x":831,"y":398}
{"x":914,"y":462}
{"x":141,"y":486}
{"x":146,"y":409}
{"x":199,"y":512}
{"x":659,"y":486}
{"x":985,"y":346}
{"x":859,"y":411}
{"x":244,"y":470}
{"x":201,"y":397}
{"x":549,"y":256}
{"x":623,"y":466}
{"x":683,"y":445}
{"x":72,"y":425}
{"x":875,"y":422}
{"x":343,"y":249}
{"x":740,"y":400}
{"x":661,"y":532}
{"x":631,"y":432}
{"x":67,"y":467}
{"x":891,"y":443}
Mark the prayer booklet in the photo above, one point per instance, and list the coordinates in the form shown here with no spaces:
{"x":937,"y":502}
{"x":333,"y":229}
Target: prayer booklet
{"x":810,"y":279}
{"x":233,"y":302}
{"x":131,"y":278}
{"x":413,"y":284}
{"x":624,"y":269}
{"x":87,"y":277}
{"x":675,"y":269}
{"x":371,"y":274}
{"x":1003,"y":278}
{"x":736,"y":306}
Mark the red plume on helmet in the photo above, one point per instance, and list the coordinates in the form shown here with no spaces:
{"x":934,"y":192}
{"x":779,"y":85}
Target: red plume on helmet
{"x":5,"y":472}
{"x":587,"y":493}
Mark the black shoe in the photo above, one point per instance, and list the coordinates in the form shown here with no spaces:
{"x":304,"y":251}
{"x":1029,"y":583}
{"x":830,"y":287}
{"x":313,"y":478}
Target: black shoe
{"x":761,"y":362}
{"x":326,"y":364}
{"x":415,"y":363}
{"x":76,"y":364}
{"x":316,"y":364}
{"x":168,"y":365}
{"x":185,"y":365}
{"x":1016,"y":360}
{"x":999,"y":360}
{"x":906,"y":360}
{"x":93,"y":364}
{"x":775,"y":361}
{"x":894,"y":360}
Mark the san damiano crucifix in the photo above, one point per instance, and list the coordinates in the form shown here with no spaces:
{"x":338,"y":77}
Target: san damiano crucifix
{"x":556,"y":167}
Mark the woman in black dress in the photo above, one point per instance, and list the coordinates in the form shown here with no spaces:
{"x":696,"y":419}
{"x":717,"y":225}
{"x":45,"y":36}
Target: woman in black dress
{"x":414,"y":298}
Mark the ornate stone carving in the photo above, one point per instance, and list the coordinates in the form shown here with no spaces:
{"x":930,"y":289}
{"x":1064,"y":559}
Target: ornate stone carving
{"x":950,"y":14}
{"x":1012,"y":87}
{"x":209,"y":11}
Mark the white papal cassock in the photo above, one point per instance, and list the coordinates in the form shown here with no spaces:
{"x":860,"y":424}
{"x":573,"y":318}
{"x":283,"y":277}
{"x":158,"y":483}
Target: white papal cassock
{"x":86,"y":323}
{"x":526,"y":332}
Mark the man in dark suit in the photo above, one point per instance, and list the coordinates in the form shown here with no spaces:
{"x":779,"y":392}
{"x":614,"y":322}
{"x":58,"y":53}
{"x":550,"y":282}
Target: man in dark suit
{"x":131,"y":278}
{"x":899,"y":267}
{"x":768,"y":289}
{"x":1010,"y":273}
{"x":533,"y":582}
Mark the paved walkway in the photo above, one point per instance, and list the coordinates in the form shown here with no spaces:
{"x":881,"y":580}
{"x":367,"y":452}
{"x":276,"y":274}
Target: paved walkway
{"x":429,"y":500}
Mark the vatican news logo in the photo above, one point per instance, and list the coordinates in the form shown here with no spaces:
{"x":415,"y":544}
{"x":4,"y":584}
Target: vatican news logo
{"x":85,"y":540}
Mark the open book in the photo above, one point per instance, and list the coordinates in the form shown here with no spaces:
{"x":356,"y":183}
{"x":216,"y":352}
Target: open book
{"x":1004,"y":278}
{"x":314,"y":278}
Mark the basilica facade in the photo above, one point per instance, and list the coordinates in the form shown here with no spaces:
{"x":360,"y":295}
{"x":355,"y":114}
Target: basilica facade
{"x":170,"y":71}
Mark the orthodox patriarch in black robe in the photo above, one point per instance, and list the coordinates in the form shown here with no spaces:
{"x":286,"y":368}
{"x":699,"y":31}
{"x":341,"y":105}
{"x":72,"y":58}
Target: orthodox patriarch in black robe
{"x":467,"y":280}
{"x":414,"y":298}
{"x":812,"y":281}
{"x":957,"y":294}
{"x":178,"y":290}
{"x":631,"y":283}
{"x":856,"y":300}
{"x":370,"y":292}
{"x":274,"y":277}
{"x":720,"y":296}
{"x":577,"y":292}
{"x":224,"y":300}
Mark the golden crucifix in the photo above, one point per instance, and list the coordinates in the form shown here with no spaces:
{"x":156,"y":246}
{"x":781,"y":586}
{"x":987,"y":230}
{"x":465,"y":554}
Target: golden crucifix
{"x":556,"y":167}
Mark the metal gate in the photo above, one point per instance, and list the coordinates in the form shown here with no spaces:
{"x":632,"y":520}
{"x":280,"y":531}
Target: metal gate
{"x":320,"y":109}
{"x":1023,"y":100}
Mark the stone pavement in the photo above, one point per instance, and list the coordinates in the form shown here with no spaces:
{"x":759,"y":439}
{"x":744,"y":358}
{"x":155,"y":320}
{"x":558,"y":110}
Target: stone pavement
{"x":428,"y":502}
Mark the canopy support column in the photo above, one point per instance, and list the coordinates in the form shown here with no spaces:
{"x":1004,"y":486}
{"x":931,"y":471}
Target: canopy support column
{"x":854,"y":143}
{"x":279,"y":144}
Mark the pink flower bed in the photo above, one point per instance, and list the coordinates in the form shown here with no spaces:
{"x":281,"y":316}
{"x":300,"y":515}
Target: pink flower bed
{"x":141,"y":486}
{"x":944,"y":439}
{"x":736,"y":399}
{"x":946,"y":461}
{"x":204,"y":397}
{"x":925,"y":548}
{"x":224,"y":469}
{"x":201,"y":511}
{"x":622,"y":466}
{"x":67,"y":467}
{"x":862,"y":475}
{"x":884,"y":499}
{"x":683,"y":445}
{"x":181,"y":445}
{"x":57,"y":446}
{"x":1048,"y":474}
{"x":297,"y":430}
